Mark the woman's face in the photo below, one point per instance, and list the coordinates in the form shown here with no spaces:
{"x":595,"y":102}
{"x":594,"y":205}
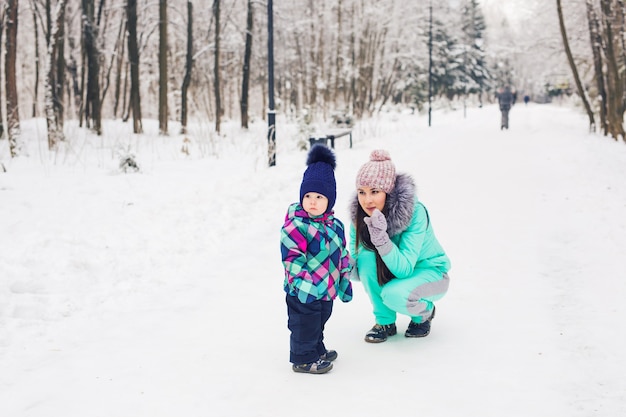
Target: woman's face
{"x":314,"y":203}
{"x":371,"y":199}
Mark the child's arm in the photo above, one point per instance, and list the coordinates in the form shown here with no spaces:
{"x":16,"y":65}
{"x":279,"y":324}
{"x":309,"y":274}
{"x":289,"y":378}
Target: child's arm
{"x":346,"y":264}
{"x":345,"y":286}
{"x":293,"y":247}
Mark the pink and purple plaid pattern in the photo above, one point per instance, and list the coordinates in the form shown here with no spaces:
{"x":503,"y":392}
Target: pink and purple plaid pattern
{"x":315,"y":256}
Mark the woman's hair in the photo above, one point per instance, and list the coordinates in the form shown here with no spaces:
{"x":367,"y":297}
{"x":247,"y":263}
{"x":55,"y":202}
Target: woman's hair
{"x":383,"y":273}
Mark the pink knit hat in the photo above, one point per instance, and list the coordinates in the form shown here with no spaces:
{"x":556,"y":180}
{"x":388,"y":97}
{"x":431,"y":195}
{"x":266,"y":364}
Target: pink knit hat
{"x":379,"y":172}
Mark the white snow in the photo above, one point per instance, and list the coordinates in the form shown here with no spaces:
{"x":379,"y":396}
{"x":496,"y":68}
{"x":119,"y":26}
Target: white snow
{"x":159,"y":293}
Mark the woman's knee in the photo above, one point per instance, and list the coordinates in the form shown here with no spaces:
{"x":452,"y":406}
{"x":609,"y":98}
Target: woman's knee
{"x":412,"y":294}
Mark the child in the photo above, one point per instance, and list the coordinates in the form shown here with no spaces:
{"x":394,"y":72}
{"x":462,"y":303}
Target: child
{"x":317,"y":263}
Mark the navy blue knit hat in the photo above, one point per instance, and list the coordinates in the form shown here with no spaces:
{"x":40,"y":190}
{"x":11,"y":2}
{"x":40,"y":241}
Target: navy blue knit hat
{"x":319,"y":176}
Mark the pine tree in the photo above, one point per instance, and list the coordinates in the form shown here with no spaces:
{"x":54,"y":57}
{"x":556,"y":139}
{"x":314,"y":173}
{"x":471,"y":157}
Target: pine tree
{"x":475,"y":64}
{"x":447,"y":62}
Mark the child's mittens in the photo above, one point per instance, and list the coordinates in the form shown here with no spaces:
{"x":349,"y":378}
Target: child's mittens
{"x":345,"y":289}
{"x":377,"y":226}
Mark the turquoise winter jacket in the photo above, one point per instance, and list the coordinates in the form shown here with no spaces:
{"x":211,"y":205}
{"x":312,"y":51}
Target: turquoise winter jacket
{"x":408,"y":225}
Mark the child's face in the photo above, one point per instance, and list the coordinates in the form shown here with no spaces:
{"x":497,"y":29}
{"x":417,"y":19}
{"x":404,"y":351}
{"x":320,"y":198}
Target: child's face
{"x":314,"y":203}
{"x":371,"y":199}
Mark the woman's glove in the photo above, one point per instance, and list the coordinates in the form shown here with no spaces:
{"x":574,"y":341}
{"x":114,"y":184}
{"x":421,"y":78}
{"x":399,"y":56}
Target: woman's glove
{"x":377,"y":226}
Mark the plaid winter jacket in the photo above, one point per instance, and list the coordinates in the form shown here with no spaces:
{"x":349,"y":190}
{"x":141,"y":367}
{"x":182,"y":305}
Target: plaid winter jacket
{"x":315,"y":256}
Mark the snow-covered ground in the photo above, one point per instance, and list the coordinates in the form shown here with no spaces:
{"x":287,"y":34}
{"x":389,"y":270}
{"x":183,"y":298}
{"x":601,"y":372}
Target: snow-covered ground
{"x":159,"y":293}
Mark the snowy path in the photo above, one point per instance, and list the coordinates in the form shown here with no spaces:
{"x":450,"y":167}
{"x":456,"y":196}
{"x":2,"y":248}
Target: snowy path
{"x":159,"y":294}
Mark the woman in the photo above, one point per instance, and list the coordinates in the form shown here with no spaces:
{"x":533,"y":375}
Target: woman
{"x":398,"y":259}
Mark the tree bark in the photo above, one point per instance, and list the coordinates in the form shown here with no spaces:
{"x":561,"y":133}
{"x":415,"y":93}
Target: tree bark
{"x":55,"y":126}
{"x":163,"y":113}
{"x":133,"y":58}
{"x":13,"y":115}
{"x":37,"y":57}
{"x":596,"y":48}
{"x":93,"y":114}
{"x":245,"y":84}
{"x":59,"y":86}
{"x":615,"y":81}
{"x":572,"y":64}
{"x":188,"y":69}
{"x":216,"y":67}
{"x":74,"y":80}
{"x":120,"y":70}
{"x":351,"y":97}
{"x":312,"y":61}
{"x":338,"y":56}
{"x":2,"y":10}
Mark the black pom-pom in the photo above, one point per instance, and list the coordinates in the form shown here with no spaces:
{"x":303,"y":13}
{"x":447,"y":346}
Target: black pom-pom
{"x":321,"y":153}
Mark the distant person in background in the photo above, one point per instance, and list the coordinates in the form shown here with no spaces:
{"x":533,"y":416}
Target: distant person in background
{"x":506,"y":99}
{"x":526,"y":99}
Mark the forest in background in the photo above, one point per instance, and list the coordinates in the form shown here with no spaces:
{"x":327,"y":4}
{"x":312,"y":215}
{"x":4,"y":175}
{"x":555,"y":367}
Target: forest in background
{"x":182,"y":60}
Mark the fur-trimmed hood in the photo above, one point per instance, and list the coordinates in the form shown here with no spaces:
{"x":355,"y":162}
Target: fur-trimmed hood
{"x":400,"y":204}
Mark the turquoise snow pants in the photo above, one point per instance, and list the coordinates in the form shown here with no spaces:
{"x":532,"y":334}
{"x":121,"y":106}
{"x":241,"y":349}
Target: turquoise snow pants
{"x":413,"y":296}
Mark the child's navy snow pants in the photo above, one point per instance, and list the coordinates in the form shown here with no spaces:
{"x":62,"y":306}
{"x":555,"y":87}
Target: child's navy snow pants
{"x":306,"y":322}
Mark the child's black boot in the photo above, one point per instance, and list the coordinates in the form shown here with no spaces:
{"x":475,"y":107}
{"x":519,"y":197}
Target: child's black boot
{"x":318,"y":367}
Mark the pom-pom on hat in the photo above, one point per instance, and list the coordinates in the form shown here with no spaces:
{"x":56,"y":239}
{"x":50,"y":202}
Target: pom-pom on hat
{"x":319,"y":176}
{"x":379,"y":172}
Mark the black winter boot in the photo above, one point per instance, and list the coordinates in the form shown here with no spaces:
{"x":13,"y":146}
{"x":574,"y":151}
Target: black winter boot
{"x":379,"y":333}
{"x":420,"y":329}
{"x":329,"y":356}
{"x":319,"y":367}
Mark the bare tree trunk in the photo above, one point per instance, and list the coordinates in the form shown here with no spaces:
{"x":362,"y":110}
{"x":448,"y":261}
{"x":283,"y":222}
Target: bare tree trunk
{"x":188,"y":68}
{"x":320,"y":69}
{"x":72,"y":68}
{"x":596,"y":48}
{"x":301,"y":75}
{"x":572,"y":64}
{"x":310,"y":63}
{"x":351,"y":98}
{"x":386,"y":84}
{"x":120,"y":69}
{"x":228,"y":87}
{"x":615,"y":82}
{"x":92,"y":109}
{"x":338,"y":56}
{"x":163,"y":113}
{"x":2,"y":14}
{"x":133,"y":57}
{"x":59,"y":104}
{"x":381,"y":81}
{"x":55,"y":126}
{"x":365,"y":70}
{"x":125,"y":94}
{"x":106,"y":78}
{"x":48,"y":19}
{"x":37,"y":57}
{"x":245,"y":85}
{"x":13,"y":115}
{"x":216,"y":68}
{"x":372,"y":34}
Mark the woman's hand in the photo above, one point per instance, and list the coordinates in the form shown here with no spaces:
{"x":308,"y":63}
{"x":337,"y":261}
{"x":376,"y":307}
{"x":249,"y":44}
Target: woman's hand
{"x":377,"y":226}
